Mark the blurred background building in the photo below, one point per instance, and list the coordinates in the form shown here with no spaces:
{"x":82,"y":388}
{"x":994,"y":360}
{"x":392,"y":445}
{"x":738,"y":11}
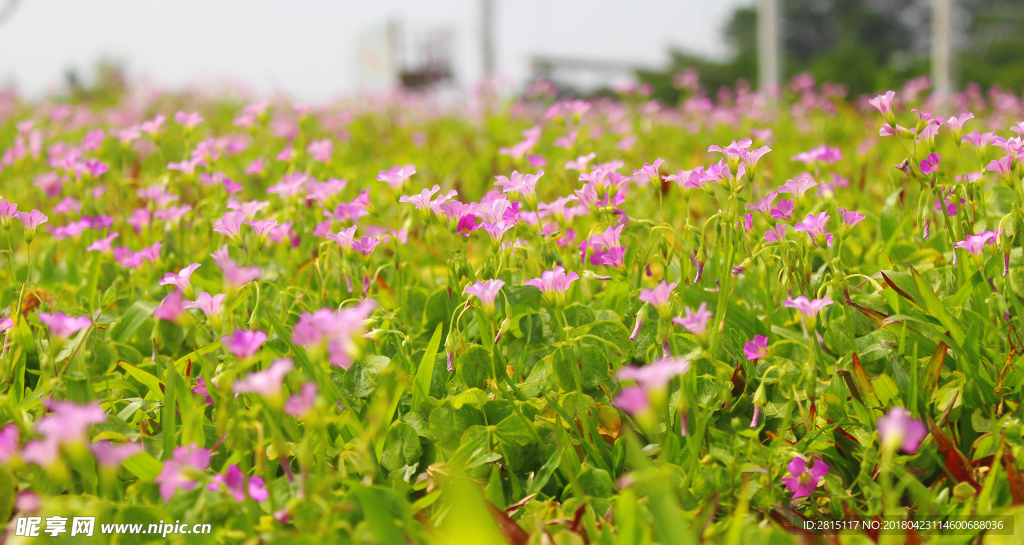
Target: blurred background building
{"x":315,"y":49}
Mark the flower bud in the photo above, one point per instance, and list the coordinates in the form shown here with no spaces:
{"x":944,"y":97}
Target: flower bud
{"x":503,"y":328}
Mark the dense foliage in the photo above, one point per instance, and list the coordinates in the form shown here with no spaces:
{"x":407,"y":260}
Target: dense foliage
{"x":361,"y":322}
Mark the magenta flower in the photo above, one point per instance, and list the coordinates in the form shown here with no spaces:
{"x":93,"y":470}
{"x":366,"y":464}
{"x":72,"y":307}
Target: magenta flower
{"x":262,"y":228}
{"x":777,"y":233}
{"x":798,"y":186}
{"x":255,"y":167}
{"x":203,"y":389}
{"x":850,"y":218}
{"x":181,"y":472}
{"x":752,"y":157}
{"x":900,"y":430}
{"x":233,"y":482}
{"x":815,"y":227}
{"x":182,"y":280}
{"x":396,"y":176}
{"x":344,"y":238}
{"x":209,"y":305}
{"x":170,"y":308}
{"x":930,"y":164}
{"x":659,"y":297}
{"x":244,"y":343}
{"x":581,"y":162}
{"x":486,"y":291}
{"x":268,"y":382}
{"x":63,"y":326}
{"x":757,"y":348}
{"x":883,"y":103}
{"x":113,"y":454}
{"x":5,"y":324}
{"x":764,"y":204}
{"x":974,"y":244}
{"x":300,"y":404}
{"x":695,"y":322}
{"x":734,"y":151}
{"x":804,"y":481}
{"x":956,"y":125}
{"x":553,"y":284}
{"x":809,"y":308}
{"x":783,"y":210}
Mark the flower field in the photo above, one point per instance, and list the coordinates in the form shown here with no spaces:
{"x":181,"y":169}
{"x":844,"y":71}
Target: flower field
{"x":736,"y":320}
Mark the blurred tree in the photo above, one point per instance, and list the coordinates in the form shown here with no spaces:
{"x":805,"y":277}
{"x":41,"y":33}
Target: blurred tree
{"x":867,"y":45}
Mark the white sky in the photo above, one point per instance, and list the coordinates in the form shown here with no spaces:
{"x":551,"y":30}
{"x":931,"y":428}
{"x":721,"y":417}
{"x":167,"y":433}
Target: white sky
{"x":308,"y":48}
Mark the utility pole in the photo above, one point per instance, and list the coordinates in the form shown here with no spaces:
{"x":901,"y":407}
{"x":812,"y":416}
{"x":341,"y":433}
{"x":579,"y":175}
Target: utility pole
{"x":769,"y":46}
{"x":942,"y":49}
{"x":487,"y":35}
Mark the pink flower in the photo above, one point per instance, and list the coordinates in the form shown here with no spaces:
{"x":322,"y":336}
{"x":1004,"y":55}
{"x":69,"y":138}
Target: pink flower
{"x":649,"y":172}
{"x":632,"y":399}
{"x":763,"y":205}
{"x":67,"y":423}
{"x":63,"y":326}
{"x":899,"y":429}
{"x":777,"y":233}
{"x":345,"y":238}
{"x":32,"y":220}
{"x":112,"y":454}
{"x":734,"y":151}
{"x":799,"y":186}
{"x":5,"y":324}
{"x":659,"y":297}
{"x":804,"y":481}
{"x":930,"y":164}
{"x":189,"y":120}
{"x":554,"y":283}
{"x":262,"y":228}
{"x":522,"y":184}
{"x":581,"y":162}
{"x":170,"y":308}
{"x":234,"y":483}
{"x":815,"y":227}
{"x":396,"y":176}
{"x":757,"y":348}
{"x":695,"y":322}
{"x":783,"y":210}
{"x":209,"y":305}
{"x":486,"y":291}
{"x":103,"y":245}
{"x":974,"y":244}
{"x":850,"y":218}
{"x":883,"y":103}
{"x":268,"y":382}
{"x":809,"y":308}
{"x":8,"y":442}
{"x":244,"y":343}
{"x":203,"y":389}
{"x":180,"y":472}
{"x":182,"y":280}
{"x":421,"y":201}
{"x":255,"y":167}
{"x":656,"y":375}
{"x":230,"y":225}
{"x":8,"y":212}
{"x":321,"y":150}
{"x":956,"y":124}
{"x":300,"y":404}
{"x":338,"y":329}
{"x":1002,"y":166}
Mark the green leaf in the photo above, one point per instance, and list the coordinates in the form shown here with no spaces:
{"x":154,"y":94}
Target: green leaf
{"x":131,"y":320}
{"x":577,"y":315}
{"x":474,"y":366}
{"x":596,"y":482}
{"x":937,"y":310}
{"x":143,"y":465}
{"x":448,"y":423}
{"x":425,"y":372}
{"x":401,"y":447}
{"x":546,"y":471}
